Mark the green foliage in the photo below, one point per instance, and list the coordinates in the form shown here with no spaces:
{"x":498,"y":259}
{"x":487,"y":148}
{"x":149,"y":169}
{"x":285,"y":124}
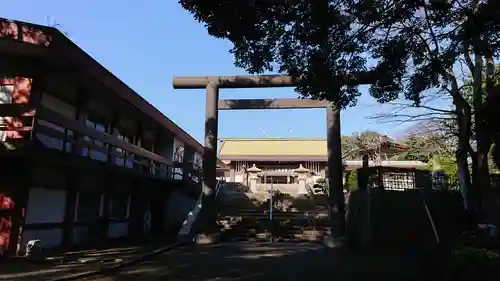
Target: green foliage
{"x":471,"y":263}
{"x":495,"y":154}
{"x":447,"y":163}
{"x":326,"y":42}
{"x":416,"y":150}
{"x":475,"y":257}
{"x":321,"y":181}
{"x":352,"y":180}
{"x":423,"y":145}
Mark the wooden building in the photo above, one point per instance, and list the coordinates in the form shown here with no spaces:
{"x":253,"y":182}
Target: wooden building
{"x":286,"y":162}
{"x":83,"y":157}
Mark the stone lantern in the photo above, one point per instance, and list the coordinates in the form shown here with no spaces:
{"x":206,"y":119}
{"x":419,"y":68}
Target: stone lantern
{"x":253,"y":176}
{"x":302,"y":174}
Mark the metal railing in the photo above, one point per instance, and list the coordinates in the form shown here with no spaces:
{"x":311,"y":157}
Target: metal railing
{"x":218,"y":188}
{"x":193,"y":214}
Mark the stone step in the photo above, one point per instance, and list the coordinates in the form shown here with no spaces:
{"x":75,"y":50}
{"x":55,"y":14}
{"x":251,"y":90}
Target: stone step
{"x":278,"y":224}
{"x":317,"y":209}
{"x":242,"y":225}
{"x":267,"y":236}
{"x":239,"y":213}
{"x":310,"y":216}
{"x":296,"y":204}
{"x":263,"y":196}
{"x":261,"y":209}
{"x":289,"y":229}
{"x":275,"y":210}
{"x":276,"y":231}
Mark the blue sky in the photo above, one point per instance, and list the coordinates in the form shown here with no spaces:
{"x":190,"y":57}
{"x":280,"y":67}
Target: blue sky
{"x":146,"y":43}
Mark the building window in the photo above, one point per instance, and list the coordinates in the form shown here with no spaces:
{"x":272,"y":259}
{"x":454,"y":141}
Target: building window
{"x":179,"y":154}
{"x":89,"y":205}
{"x":54,"y":136}
{"x":178,"y":158}
{"x":94,"y":153}
{"x":123,"y":158}
{"x":6,"y":93}
{"x":241,"y":166}
{"x":5,"y":97}
{"x":312,"y":167}
{"x":119,"y":206}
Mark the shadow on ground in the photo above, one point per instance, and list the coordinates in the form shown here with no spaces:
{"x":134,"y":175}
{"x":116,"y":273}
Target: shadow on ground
{"x":59,"y":264}
{"x":265,"y":261}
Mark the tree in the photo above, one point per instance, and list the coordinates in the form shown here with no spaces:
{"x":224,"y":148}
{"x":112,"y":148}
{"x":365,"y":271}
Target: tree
{"x":443,"y":121}
{"x":429,"y":137}
{"x":417,"y":149}
{"x":414,"y":46}
{"x":369,"y":143}
{"x":349,"y":146}
{"x":447,"y":163}
{"x":359,"y":143}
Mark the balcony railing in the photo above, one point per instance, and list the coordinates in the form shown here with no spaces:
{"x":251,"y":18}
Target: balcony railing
{"x":56,"y":131}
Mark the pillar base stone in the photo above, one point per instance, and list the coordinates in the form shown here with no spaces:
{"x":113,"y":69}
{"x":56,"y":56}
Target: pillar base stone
{"x":330,"y":242}
{"x":206,"y":239}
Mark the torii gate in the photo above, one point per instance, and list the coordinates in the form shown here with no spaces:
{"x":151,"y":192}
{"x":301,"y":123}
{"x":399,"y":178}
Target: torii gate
{"x":212,"y":84}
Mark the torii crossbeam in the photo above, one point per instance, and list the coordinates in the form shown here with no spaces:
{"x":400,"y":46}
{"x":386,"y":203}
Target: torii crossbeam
{"x":212,"y":84}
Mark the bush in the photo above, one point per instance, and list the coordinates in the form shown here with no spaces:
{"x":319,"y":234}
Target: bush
{"x":352,"y":180}
{"x":475,"y":258}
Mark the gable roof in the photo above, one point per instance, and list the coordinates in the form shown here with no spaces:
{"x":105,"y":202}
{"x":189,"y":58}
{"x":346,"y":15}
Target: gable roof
{"x":235,"y":148}
{"x":285,"y":149}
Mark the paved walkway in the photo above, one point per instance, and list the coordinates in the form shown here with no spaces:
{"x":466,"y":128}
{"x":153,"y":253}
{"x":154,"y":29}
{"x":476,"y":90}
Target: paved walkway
{"x":264,"y":261}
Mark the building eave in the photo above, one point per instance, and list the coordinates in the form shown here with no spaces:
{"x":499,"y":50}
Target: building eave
{"x":58,"y":46}
{"x":320,"y":158}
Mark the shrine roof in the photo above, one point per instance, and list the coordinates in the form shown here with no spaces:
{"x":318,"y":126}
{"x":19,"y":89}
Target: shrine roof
{"x":286,"y":149}
{"x":272,"y":147}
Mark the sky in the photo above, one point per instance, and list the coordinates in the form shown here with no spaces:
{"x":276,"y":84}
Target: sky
{"x":148,"y":42}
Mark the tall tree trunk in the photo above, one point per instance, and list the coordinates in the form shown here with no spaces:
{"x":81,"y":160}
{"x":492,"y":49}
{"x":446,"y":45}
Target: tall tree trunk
{"x":484,"y":137}
{"x":464,"y":119}
{"x":464,"y":122}
{"x":480,"y":169}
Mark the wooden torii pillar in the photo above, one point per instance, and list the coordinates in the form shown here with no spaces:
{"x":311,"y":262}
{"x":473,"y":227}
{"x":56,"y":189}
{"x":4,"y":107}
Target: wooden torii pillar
{"x":212,"y":84}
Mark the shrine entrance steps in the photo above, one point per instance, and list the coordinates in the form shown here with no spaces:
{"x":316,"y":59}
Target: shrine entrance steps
{"x":264,"y":216}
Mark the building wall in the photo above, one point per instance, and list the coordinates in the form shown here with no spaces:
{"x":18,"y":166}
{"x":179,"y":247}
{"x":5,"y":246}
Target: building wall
{"x":38,"y":212}
{"x":61,"y":97}
{"x":54,"y":191}
{"x":236,"y":167}
{"x":239,"y":177}
{"x":46,"y":209}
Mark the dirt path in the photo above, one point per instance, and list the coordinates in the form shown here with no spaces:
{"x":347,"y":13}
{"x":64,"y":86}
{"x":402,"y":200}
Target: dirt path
{"x":265,"y":261}
{"x":70,"y":263}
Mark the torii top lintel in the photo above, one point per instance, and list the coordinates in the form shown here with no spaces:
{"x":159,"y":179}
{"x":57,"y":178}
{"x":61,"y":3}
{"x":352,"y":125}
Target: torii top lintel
{"x":257,"y":81}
